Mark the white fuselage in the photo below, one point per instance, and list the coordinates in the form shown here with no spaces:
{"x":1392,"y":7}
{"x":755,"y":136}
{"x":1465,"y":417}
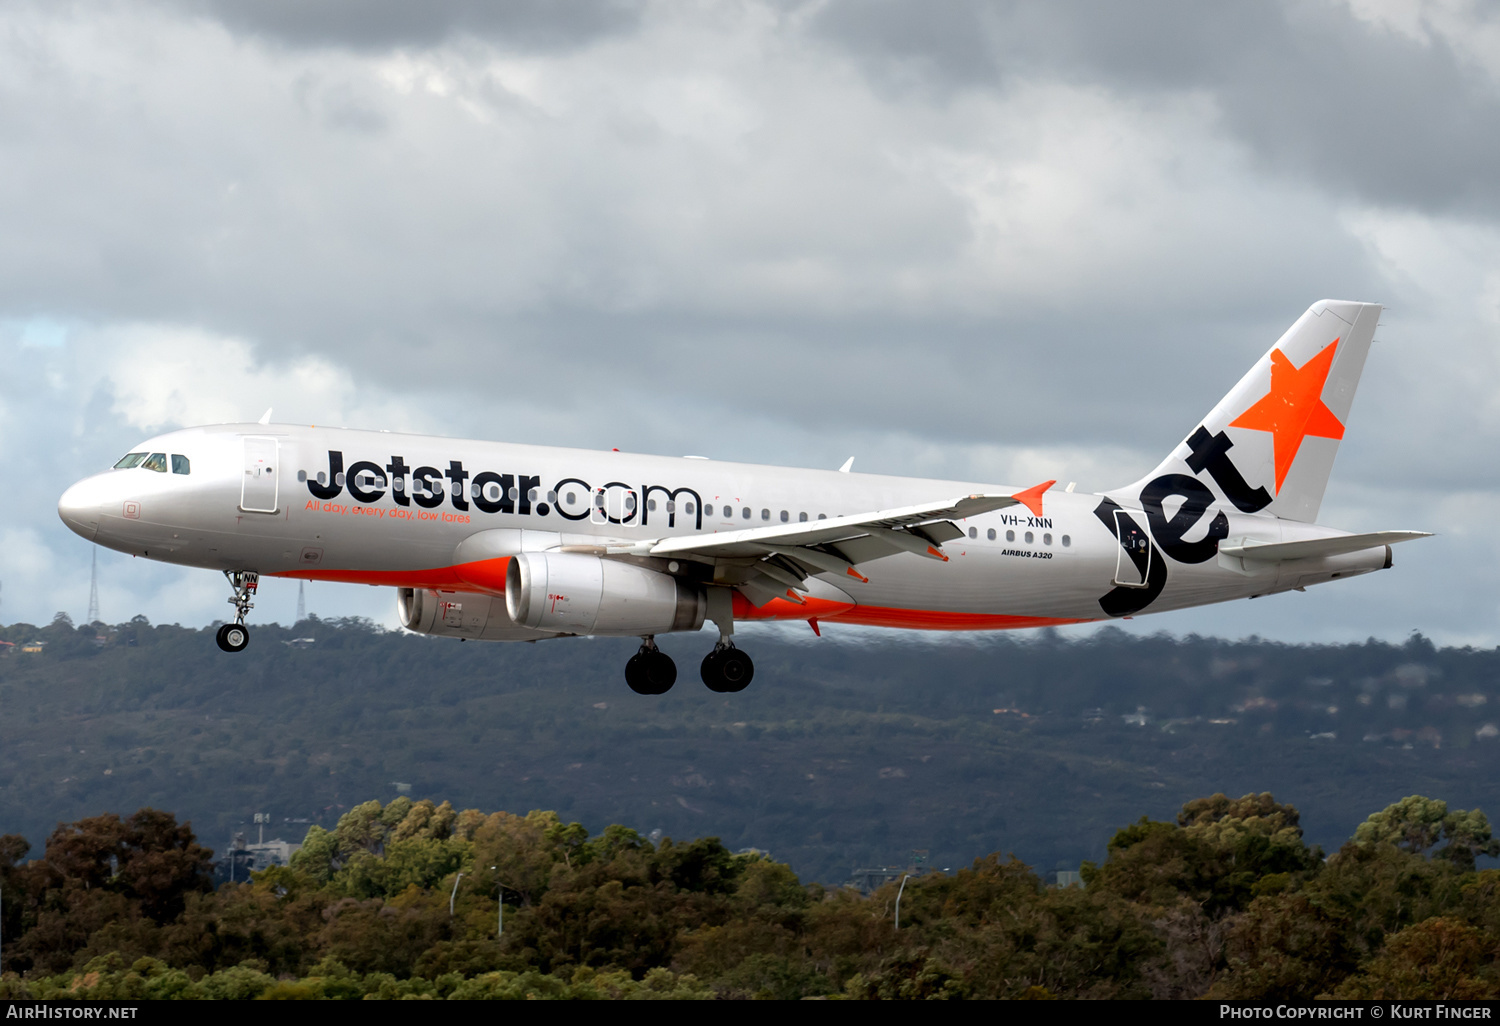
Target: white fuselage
{"x":393,"y":509}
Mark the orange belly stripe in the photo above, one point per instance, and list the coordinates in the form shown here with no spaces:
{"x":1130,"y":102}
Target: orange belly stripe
{"x":484,"y":575}
{"x":488,"y":576}
{"x":940,"y":620}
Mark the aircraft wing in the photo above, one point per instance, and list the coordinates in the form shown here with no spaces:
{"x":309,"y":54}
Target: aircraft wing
{"x":773,"y":562}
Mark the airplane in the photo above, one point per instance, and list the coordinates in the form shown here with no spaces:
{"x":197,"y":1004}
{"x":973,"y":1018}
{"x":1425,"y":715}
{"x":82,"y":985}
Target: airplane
{"x":501,"y":542}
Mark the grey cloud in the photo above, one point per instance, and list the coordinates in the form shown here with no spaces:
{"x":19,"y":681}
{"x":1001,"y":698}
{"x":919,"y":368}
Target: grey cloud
{"x":1312,"y":92}
{"x":368,"y":25}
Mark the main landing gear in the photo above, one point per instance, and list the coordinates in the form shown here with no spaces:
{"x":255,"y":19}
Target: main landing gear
{"x":726,"y":669}
{"x":651,"y":671}
{"x":234,"y":636}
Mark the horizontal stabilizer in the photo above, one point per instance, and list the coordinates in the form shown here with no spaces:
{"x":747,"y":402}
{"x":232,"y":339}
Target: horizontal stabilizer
{"x":1314,"y":548}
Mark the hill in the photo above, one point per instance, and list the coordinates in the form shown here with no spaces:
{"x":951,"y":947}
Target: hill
{"x":840,"y":755}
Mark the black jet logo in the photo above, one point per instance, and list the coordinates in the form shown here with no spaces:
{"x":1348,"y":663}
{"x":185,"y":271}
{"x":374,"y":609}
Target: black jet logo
{"x":1210,"y":452}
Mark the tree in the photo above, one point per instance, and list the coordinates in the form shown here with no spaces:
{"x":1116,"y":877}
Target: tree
{"x":1223,"y":822}
{"x":1416,"y":824}
{"x":1436,"y":959}
{"x":161,"y":862}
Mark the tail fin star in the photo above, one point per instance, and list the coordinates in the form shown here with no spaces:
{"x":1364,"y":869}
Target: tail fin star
{"x":1294,"y":408}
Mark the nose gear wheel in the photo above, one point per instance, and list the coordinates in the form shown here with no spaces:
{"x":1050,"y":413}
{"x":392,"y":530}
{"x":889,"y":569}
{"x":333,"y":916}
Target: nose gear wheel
{"x":233,"y":637}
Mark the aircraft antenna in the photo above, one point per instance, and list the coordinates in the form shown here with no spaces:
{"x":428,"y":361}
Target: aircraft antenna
{"x":301,"y":601}
{"x":94,"y":590}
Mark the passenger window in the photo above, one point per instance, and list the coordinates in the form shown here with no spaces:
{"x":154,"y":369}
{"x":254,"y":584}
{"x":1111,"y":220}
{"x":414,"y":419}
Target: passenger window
{"x":651,"y":505}
{"x":801,"y":518}
{"x":686,"y":508}
{"x":822,"y":516}
{"x":785,"y":516}
{"x":180,"y":465}
{"x":765,"y":514}
{"x":728,"y":512}
{"x":1010,"y":536}
{"x":130,"y":461}
{"x":301,"y":476}
{"x":1046,"y":539}
{"x":1066,"y":541}
{"x":973,"y":532}
{"x":157,"y":461}
{"x":991,"y":535}
{"x":746,"y":513}
{"x":1029,"y":538}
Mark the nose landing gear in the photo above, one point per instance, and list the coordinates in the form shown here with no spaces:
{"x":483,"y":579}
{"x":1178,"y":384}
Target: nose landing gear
{"x":233,"y":637}
{"x":650,"y":671}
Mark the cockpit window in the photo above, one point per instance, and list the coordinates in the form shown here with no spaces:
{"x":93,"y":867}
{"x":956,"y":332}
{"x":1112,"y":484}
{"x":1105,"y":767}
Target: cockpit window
{"x":157,"y":461}
{"x":180,"y":465}
{"x":130,"y":461}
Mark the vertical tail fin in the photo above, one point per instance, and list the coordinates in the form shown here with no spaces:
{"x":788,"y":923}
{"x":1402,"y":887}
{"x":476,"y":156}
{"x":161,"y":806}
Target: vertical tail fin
{"x":1269,"y":444}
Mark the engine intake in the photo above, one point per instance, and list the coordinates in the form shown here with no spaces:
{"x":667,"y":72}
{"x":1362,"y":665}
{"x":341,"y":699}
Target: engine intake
{"x":575,"y":593}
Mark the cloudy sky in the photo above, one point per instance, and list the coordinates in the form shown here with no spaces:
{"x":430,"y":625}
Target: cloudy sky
{"x":992,"y":241}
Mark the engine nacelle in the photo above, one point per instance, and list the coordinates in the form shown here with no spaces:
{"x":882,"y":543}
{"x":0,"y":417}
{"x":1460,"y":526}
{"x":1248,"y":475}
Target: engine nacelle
{"x":460,"y":614}
{"x":575,"y":593}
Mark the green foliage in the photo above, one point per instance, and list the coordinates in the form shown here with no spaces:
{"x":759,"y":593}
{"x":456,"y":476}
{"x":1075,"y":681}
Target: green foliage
{"x":1220,"y":854}
{"x":1226,"y":902}
{"x":1434,"y":960}
{"x":1416,"y":824}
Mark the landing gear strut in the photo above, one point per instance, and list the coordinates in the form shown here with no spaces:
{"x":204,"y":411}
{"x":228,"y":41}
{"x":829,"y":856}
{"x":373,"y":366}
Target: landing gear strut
{"x":233,"y":637}
{"x":726,"y":669}
{"x":650,"y":671}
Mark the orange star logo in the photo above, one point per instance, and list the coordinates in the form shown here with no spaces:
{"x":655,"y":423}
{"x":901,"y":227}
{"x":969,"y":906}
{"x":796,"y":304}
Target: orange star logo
{"x":1294,"y":409}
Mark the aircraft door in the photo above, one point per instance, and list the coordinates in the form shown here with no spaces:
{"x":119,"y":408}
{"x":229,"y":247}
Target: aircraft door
{"x":258,"y":492}
{"x":1133,"y":563}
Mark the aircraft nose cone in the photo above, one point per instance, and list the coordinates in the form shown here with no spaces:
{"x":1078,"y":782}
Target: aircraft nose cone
{"x":81,"y":505}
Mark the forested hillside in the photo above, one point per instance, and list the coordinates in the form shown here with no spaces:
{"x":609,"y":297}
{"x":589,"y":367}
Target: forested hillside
{"x":404,"y":900}
{"x":841,"y":755}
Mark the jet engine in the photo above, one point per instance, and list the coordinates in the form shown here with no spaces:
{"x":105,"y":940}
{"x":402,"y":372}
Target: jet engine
{"x":575,"y":593}
{"x":460,"y":614}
